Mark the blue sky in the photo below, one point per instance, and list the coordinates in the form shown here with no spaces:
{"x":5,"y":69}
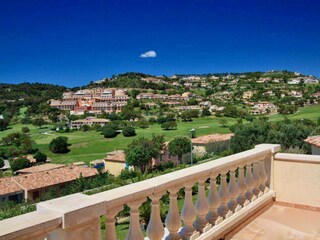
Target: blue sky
{"x":72,"y":42}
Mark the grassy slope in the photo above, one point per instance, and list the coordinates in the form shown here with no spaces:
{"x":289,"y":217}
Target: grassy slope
{"x":91,"y":145}
{"x":87,"y":146}
{"x":309,"y":112}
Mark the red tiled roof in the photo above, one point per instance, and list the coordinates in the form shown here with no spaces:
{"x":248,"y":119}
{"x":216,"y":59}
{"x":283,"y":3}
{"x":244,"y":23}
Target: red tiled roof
{"x":314,"y":140}
{"x":53,"y":177}
{"x":212,"y":138}
{"x":116,"y":156}
{"x":41,"y":168}
{"x":8,"y":185}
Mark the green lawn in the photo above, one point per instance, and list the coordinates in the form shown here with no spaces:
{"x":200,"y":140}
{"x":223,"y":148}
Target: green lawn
{"x":87,"y":146}
{"x":309,"y":112}
{"x":91,"y":145}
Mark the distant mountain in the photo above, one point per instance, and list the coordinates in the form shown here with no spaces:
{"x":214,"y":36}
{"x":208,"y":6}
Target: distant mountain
{"x":30,"y":92}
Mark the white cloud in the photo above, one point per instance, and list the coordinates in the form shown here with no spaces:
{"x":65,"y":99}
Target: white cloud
{"x":149,"y":54}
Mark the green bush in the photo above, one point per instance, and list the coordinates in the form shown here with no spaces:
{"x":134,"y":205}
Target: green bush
{"x":40,"y":157}
{"x":1,"y":163}
{"x":169,"y":125}
{"x":85,"y":127}
{"x":59,"y":145}
{"x":19,"y":163}
{"x":109,"y":132}
{"x":128,"y":131}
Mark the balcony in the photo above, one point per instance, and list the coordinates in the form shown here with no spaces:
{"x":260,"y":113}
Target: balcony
{"x":248,"y":195}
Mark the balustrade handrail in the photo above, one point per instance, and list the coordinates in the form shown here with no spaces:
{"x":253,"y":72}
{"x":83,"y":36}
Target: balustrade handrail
{"x":29,"y":224}
{"x":51,"y":215}
{"x":303,"y":158}
{"x":134,"y":191}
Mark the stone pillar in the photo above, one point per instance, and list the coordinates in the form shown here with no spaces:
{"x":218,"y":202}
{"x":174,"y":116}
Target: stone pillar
{"x":188,"y":213}
{"x":134,"y":227}
{"x":249,"y":181}
{"x":173,"y":220}
{"x":80,"y":216}
{"x":242,"y":186}
{"x":224,"y":195}
{"x":214,"y":201}
{"x":110,"y":228}
{"x":87,"y":230}
{"x":233,"y":190}
{"x":263,"y":177}
{"x":202,"y":207}
{"x":256,"y":178}
{"x":155,"y":230}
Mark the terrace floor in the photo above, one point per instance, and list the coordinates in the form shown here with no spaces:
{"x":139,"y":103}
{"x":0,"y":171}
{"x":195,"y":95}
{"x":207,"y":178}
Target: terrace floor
{"x":282,"y":223}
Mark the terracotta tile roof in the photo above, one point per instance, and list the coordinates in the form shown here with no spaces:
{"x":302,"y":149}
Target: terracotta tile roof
{"x":314,"y":140}
{"x":8,"y":185}
{"x":212,"y":138}
{"x":40,"y":168}
{"x":53,"y":177}
{"x":116,"y":156}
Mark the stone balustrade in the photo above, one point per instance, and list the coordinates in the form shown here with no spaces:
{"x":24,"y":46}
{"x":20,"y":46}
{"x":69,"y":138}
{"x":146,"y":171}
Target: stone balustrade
{"x":230,"y":189}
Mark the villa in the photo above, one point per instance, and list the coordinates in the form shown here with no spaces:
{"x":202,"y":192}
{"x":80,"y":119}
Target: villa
{"x":34,"y":182}
{"x":89,"y":121}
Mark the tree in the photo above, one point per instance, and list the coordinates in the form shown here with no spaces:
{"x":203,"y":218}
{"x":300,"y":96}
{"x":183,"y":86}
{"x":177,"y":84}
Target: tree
{"x":38,"y":122}
{"x":140,"y":152}
{"x":25,"y":130}
{"x":143,"y":123}
{"x":109,"y":132}
{"x":169,"y":125}
{"x":85,"y":127}
{"x":40,"y":157}
{"x":179,"y":146}
{"x":186,"y":116}
{"x":19,"y":163}
{"x":128,"y":131}
{"x":205,"y":112}
{"x":59,"y":145}
{"x":223,"y":122}
{"x":4,"y":123}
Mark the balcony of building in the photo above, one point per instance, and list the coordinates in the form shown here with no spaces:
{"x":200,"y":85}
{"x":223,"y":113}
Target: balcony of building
{"x":256,"y":194}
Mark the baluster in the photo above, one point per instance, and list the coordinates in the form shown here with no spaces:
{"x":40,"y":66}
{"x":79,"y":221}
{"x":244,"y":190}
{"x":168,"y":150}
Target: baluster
{"x":110,"y":228}
{"x":256,"y":178}
{"x":233,"y":190}
{"x":242,"y":186}
{"x":188,"y":213}
{"x":224,"y":195}
{"x":202,"y":207}
{"x":249,"y":182}
{"x":263,"y":177}
{"x":134,"y":227}
{"x":173,"y":220}
{"x":155,"y":230}
{"x":213,"y":200}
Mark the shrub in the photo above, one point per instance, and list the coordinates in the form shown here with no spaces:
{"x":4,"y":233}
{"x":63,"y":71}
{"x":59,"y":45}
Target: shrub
{"x":128,"y":131}
{"x":1,"y":163}
{"x":40,"y":157}
{"x":109,"y":132}
{"x":59,"y":145}
{"x":25,"y":129}
{"x":127,"y":174}
{"x":169,"y":125}
{"x":19,"y":163}
{"x":85,"y":127}
{"x":143,"y":124}
{"x":152,"y":120}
